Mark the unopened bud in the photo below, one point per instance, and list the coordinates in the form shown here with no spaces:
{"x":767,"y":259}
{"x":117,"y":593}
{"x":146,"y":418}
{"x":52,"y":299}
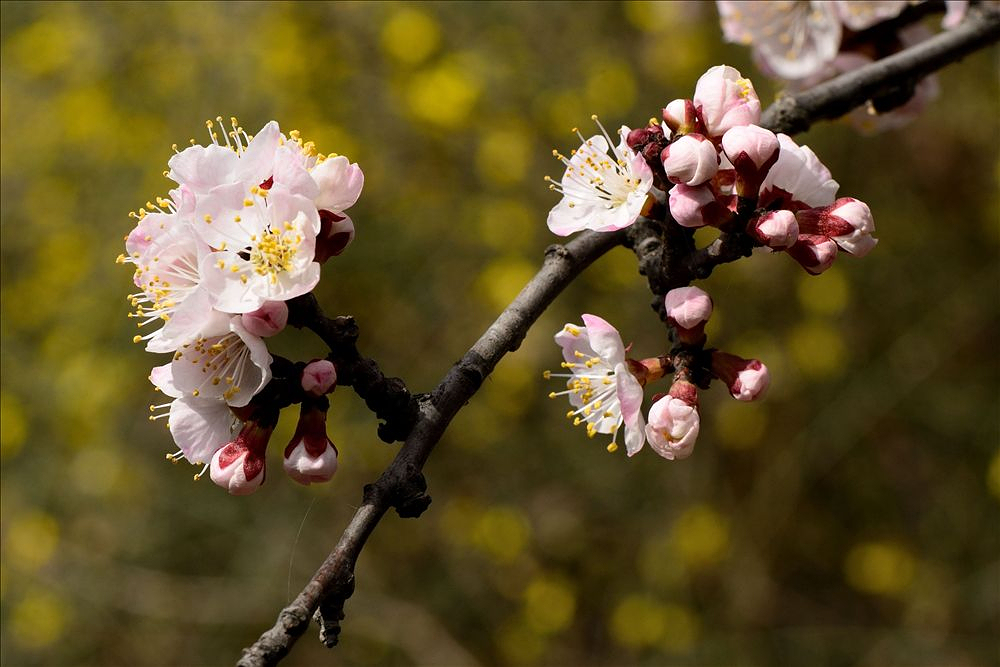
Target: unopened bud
{"x":238,"y":466}
{"x":753,"y":151}
{"x":690,"y":160}
{"x":336,"y":231}
{"x":267,"y":320}
{"x":847,"y":222}
{"x":638,"y":138}
{"x":699,"y":206}
{"x":673,"y":423}
{"x":310,"y":456}
{"x":776,"y":229}
{"x":688,"y":309}
{"x":319,"y":377}
{"x":747,"y":379}
{"x":814,"y":253}
{"x":680,"y":117}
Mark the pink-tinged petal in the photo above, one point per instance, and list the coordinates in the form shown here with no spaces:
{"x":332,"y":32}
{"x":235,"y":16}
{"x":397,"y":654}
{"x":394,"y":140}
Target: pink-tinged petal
{"x":231,"y":291}
{"x":202,"y":168}
{"x":605,"y":340}
{"x":573,"y":338}
{"x":286,"y":207}
{"x":860,"y":14}
{"x":340,"y":182}
{"x":194,"y":317}
{"x":954,"y":13}
{"x":162,"y":378}
{"x":798,"y":179}
{"x":291,"y":176}
{"x":257,"y":160}
{"x":200,"y":427}
{"x":259,"y":367}
{"x":630,"y":398}
{"x":681,"y":117}
{"x":222,"y":219}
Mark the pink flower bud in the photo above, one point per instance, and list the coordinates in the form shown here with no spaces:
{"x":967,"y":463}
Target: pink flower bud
{"x":267,"y":320}
{"x":688,"y":309}
{"x":777,"y":229}
{"x":640,"y":136}
{"x":753,"y":151}
{"x":847,"y":222}
{"x":239,"y":466}
{"x":673,"y":424}
{"x":681,"y":117}
{"x":336,"y":231}
{"x":699,"y":206}
{"x":319,"y":377}
{"x":725,"y":99}
{"x":310,"y":456}
{"x":814,"y":253}
{"x":747,"y":379}
{"x":691,"y":160}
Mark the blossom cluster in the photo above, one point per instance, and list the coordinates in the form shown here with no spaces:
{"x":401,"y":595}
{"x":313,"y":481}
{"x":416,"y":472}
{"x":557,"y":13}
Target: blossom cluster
{"x":247,"y":227}
{"x":805,"y":42}
{"x":606,"y":388}
{"x":707,"y":163}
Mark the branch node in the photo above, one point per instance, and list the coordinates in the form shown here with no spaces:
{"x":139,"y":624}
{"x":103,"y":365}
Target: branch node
{"x":330,"y":612}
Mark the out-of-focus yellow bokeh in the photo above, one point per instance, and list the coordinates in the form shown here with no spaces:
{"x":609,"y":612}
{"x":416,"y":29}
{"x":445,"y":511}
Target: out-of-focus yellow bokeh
{"x":850,"y":518}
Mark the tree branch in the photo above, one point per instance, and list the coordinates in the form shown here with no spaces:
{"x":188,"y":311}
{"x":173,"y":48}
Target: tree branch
{"x":666,"y":256}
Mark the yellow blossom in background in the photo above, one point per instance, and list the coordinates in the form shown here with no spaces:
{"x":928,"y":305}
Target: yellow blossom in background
{"x":410,"y":36}
{"x":817,"y":349}
{"x":31,"y":540}
{"x":700,"y":537}
{"x":826,"y":295}
{"x":38,"y":620}
{"x":882,"y":568}
{"x":549,"y":603}
{"x":443,"y":95}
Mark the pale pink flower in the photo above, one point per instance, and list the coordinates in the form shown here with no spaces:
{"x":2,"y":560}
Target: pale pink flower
{"x":600,"y":192}
{"x":777,"y":229}
{"x":241,"y":159}
{"x":233,"y":366}
{"x":791,"y":40}
{"x":319,"y":377}
{"x":599,"y":385}
{"x":691,"y":160}
{"x":674,"y":422}
{"x":264,"y":241}
{"x":238,"y":466}
{"x":310,"y":456}
{"x":747,"y":379}
{"x":725,"y":99}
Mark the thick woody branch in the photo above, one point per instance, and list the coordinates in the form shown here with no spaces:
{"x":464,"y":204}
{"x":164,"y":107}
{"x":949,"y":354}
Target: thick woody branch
{"x":667,"y":257}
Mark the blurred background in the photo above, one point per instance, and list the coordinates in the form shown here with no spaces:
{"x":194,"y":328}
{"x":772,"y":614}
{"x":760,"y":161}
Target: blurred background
{"x":848,"y":519}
